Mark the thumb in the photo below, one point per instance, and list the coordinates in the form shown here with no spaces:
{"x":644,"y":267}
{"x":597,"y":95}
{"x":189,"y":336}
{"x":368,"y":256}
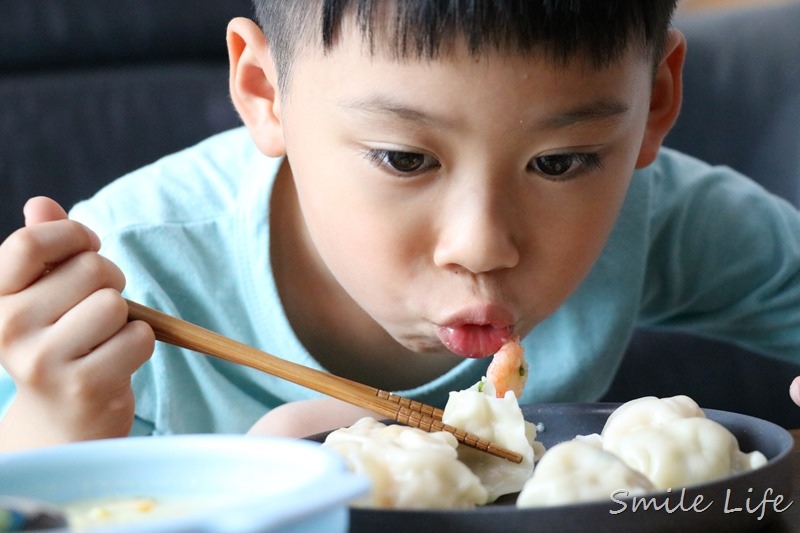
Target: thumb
{"x":42,"y":209}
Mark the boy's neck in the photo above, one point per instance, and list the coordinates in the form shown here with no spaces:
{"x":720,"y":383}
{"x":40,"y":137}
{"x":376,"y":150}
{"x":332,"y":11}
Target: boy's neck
{"x":340,"y":335}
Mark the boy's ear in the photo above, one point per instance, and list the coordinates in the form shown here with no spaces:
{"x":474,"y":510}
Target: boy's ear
{"x":253,"y":85}
{"x":665,"y":101}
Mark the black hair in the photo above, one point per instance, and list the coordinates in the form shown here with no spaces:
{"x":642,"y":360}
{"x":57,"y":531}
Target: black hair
{"x":600,"y":30}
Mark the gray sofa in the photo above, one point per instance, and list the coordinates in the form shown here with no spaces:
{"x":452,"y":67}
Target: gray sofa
{"x":90,"y":90}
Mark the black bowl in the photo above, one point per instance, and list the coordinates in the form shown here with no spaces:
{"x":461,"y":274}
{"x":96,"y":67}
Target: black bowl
{"x":743,"y":502}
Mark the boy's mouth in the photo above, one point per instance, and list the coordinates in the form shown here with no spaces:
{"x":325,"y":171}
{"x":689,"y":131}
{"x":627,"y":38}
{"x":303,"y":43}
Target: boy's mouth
{"x":474,"y":340}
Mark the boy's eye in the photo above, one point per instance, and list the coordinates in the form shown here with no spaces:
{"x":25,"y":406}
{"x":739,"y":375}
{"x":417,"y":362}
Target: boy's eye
{"x":402,"y":162}
{"x":561,"y":166}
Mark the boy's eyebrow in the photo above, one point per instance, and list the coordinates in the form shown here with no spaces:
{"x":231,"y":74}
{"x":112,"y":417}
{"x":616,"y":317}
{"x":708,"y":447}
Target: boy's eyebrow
{"x":597,"y":110}
{"x":380,"y":105}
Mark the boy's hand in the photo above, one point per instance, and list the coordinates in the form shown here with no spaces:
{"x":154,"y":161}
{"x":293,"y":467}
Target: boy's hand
{"x":64,"y":335}
{"x":794,"y":390}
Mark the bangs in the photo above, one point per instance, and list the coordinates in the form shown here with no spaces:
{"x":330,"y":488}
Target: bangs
{"x":600,"y":30}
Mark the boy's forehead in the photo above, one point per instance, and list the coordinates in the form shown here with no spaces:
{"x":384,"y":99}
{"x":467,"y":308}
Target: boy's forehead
{"x":574,"y":31}
{"x":374,"y":83}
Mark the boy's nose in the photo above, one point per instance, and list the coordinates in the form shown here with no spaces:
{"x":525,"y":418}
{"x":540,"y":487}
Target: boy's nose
{"x":476,"y":235}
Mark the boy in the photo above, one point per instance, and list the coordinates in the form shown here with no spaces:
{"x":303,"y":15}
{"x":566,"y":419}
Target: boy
{"x":453,"y":176}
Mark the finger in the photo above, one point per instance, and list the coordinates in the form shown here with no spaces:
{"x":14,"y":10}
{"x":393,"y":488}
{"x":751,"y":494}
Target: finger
{"x":42,"y":209}
{"x":91,"y":352}
{"x":69,"y":284}
{"x":89,"y":324}
{"x":794,"y":390}
{"x":30,"y":252}
{"x":121,"y":355}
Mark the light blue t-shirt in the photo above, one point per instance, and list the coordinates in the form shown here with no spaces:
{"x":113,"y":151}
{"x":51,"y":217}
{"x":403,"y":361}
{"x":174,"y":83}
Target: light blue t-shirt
{"x":696,"y":247}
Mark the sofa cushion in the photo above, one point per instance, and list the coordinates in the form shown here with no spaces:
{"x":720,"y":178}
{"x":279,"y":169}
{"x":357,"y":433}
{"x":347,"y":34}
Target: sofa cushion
{"x":91,"y":90}
{"x":69,"y":33}
{"x":742,"y":94}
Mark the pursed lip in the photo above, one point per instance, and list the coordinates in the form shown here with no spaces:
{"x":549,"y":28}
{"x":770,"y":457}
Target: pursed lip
{"x":477,"y":331}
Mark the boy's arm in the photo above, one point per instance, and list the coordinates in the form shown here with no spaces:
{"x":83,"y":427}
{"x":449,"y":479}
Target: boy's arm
{"x":64,"y":336}
{"x":309,"y":417}
{"x":726,"y":264}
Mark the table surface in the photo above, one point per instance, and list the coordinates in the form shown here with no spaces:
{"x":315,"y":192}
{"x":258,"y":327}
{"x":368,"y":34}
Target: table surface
{"x":789,"y":520}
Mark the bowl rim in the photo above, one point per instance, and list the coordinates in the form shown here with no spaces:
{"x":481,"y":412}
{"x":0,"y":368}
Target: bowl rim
{"x":260,"y":511}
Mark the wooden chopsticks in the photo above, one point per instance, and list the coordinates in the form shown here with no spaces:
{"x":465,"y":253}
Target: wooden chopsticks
{"x":184,"y":334}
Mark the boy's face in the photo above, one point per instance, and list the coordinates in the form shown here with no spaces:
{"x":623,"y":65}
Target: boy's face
{"x":460,"y":201}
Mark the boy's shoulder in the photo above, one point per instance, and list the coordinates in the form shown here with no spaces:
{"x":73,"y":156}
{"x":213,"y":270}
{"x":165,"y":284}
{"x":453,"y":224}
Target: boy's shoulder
{"x":674,"y":165}
{"x":672,"y":199}
{"x":675,"y":175}
{"x":196,"y":183}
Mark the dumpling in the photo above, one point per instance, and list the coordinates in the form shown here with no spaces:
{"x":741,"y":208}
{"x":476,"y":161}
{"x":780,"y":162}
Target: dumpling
{"x":649,"y":411}
{"x":579,"y":471}
{"x":408,"y":467}
{"x":671,"y":441}
{"x":682,"y":452}
{"x":477,"y":410}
